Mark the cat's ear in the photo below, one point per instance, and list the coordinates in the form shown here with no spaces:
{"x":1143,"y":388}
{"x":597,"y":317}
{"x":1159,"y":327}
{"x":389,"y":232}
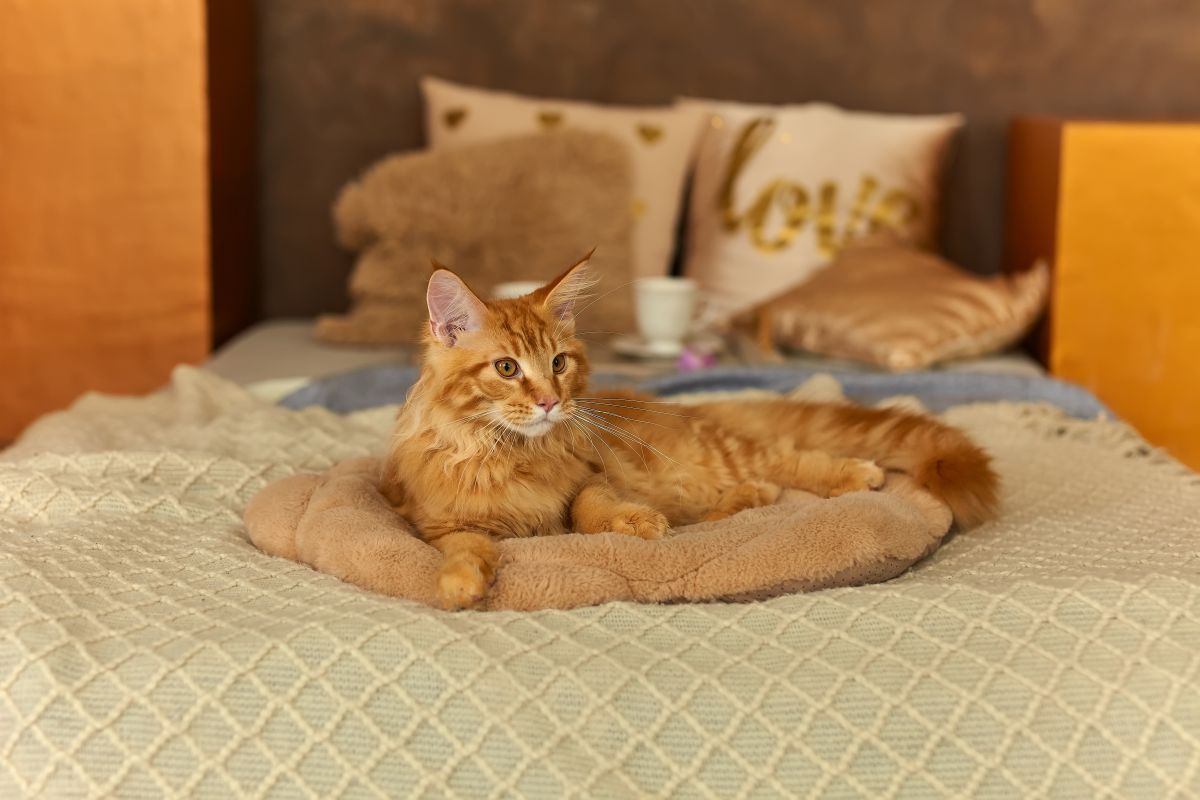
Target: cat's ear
{"x":453,"y":307}
{"x":561,"y":294}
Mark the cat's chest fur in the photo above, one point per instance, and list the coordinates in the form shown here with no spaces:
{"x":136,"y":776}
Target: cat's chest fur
{"x":508,"y":492}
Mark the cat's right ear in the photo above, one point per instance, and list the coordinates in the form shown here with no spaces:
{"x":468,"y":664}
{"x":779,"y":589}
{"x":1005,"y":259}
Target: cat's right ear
{"x":561,"y":294}
{"x":453,"y":307}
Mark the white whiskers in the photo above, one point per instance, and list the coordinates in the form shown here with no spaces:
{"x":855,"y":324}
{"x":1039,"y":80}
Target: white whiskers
{"x":627,"y":436}
{"x":580,"y":426}
{"x":622,"y":404}
{"x":629,"y":419}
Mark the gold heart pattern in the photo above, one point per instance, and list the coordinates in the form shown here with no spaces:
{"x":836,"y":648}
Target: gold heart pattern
{"x":649,"y":133}
{"x":549,"y":120}
{"x":454,"y":117}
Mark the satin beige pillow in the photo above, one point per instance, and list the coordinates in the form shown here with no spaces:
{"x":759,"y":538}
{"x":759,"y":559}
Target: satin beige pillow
{"x":779,"y":190}
{"x":660,"y":142}
{"x":905,"y":309}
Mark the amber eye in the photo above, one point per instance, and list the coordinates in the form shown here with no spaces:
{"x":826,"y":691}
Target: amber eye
{"x":506,"y":367}
{"x":559,"y":363}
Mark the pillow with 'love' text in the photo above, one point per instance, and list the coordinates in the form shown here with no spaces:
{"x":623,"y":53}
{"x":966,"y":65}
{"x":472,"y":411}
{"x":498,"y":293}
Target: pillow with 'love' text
{"x":778,"y":191}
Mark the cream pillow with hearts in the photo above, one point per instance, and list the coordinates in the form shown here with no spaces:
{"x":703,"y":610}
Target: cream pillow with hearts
{"x":778,"y":191}
{"x":660,"y":139}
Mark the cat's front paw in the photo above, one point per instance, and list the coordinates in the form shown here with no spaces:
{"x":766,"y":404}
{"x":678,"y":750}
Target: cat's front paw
{"x":641,"y":521}
{"x":463,"y":583}
{"x":855,"y":475}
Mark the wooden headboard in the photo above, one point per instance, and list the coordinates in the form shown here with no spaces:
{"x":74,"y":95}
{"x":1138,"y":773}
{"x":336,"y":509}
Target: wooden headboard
{"x":338,"y":85}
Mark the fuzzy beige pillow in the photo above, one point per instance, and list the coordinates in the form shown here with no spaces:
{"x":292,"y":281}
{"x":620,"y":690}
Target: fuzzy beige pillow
{"x":779,"y":190}
{"x":660,"y":140}
{"x":904,"y":309}
{"x":523,"y":208}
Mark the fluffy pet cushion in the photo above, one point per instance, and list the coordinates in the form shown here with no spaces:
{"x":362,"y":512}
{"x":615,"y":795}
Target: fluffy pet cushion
{"x":799,"y":545}
{"x":903,"y":309}
{"x":516,"y":209}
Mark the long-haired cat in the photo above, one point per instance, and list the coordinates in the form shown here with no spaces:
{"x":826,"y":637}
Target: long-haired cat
{"x":500,"y":437}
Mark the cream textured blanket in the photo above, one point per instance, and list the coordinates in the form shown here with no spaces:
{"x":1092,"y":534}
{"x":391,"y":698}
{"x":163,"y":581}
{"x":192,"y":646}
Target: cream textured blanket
{"x":147,"y":649}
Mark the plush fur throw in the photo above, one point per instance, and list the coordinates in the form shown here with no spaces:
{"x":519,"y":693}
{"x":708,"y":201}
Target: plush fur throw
{"x":515,"y":209}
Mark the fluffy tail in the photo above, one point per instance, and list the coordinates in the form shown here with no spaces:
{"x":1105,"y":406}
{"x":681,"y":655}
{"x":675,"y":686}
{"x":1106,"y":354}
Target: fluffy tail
{"x":940,"y":458}
{"x":952,"y":468}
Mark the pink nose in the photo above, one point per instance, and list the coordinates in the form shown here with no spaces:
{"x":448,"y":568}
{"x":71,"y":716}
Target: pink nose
{"x":548,"y":403}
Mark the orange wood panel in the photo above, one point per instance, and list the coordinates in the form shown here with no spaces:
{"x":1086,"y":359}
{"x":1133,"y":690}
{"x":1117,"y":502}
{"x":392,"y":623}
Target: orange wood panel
{"x":104,"y":248}
{"x":1126,"y":308}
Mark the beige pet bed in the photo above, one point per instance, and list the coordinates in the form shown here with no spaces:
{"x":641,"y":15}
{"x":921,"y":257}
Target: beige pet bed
{"x":801,"y":544}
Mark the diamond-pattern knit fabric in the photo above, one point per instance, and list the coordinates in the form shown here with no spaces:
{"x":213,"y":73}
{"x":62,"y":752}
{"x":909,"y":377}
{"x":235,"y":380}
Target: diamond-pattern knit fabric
{"x":147,"y":649}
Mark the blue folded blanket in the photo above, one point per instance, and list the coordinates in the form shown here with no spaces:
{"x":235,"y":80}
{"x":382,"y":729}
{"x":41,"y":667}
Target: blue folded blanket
{"x":377,"y":386}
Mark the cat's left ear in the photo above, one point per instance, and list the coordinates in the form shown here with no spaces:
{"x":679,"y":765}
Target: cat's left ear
{"x":561,"y":294}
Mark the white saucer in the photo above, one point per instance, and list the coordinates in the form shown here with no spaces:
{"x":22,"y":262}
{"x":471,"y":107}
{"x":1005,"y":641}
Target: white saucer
{"x":634,"y":346}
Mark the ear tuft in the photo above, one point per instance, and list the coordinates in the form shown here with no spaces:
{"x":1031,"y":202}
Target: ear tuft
{"x":562,"y":294}
{"x":453,"y":307}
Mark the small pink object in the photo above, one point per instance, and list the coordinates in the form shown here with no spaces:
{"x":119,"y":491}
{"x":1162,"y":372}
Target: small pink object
{"x":692,"y":360}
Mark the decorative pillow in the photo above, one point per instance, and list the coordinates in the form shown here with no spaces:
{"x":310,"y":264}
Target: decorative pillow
{"x":661,"y":141}
{"x":523,"y":208}
{"x":779,"y":190}
{"x":902,"y":309}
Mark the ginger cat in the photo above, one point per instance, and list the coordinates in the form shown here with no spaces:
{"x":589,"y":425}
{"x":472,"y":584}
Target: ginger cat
{"x":500,"y":437}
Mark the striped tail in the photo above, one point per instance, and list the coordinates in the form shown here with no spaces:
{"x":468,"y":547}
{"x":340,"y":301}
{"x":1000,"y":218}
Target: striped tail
{"x":952,"y":468}
{"x":941,"y":458}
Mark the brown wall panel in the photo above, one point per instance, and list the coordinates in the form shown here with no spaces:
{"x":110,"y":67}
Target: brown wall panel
{"x":233,"y":167}
{"x":1034,"y":153}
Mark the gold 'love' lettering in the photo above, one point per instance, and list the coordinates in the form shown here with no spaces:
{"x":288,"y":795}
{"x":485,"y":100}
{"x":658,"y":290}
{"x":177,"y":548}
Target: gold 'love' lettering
{"x":896,"y":209}
{"x":793,"y":201}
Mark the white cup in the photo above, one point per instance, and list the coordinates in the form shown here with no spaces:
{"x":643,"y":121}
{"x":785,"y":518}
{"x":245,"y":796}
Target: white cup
{"x":513,"y":289}
{"x":665,"y":309}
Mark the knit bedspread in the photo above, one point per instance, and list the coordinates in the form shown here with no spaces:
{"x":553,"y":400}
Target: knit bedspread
{"x":148,"y":649}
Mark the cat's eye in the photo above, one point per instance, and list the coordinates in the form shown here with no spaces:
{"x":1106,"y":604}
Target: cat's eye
{"x":559,"y":363}
{"x":506,"y":367}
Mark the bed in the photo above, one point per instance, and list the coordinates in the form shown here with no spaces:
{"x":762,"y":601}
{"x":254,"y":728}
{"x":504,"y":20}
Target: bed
{"x":150,"y":650}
